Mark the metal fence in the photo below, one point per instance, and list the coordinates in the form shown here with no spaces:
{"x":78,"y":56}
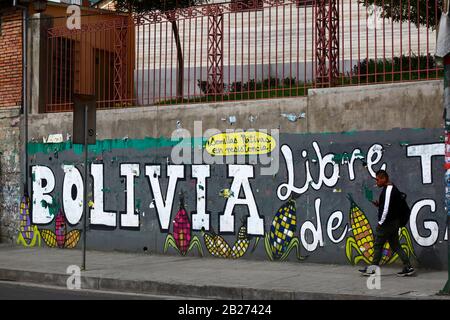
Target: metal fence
{"x":240,"y":50}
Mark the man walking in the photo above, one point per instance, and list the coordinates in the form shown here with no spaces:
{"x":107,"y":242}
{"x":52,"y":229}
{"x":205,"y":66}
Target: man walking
{"x":388,"y":225}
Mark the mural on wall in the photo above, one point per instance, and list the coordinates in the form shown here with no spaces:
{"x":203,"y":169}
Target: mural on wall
{"x":29,"y":234}
{"x":182,"y":240}
{"x":240,"y":143}
{"x":61,"y":238}
{"x":217,"y":246}
{"x":134,"y":187}
{"x":362,"y":240}
{"x":282,"y":240}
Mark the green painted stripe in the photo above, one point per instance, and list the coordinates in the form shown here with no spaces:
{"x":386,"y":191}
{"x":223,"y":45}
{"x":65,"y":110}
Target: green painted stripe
{"x":110,"y":144}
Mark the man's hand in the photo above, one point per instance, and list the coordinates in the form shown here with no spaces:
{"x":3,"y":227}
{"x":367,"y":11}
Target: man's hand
{"x":376,"y":203}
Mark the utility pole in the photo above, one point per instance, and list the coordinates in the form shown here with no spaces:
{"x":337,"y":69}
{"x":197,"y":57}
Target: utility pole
{"x":443,"y":50}
{"x":84,"y":132}
{"x":85,"y":183}
{"x":446,"y":289}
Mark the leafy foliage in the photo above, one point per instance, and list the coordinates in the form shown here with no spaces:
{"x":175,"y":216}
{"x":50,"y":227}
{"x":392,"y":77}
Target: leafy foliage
{"x":416,"y":11}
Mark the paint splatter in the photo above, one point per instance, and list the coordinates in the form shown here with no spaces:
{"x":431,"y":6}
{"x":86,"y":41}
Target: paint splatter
{"x":368,"y":193}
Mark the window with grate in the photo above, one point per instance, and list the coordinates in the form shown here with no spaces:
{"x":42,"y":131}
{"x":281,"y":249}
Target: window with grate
{"x":62,"y":72}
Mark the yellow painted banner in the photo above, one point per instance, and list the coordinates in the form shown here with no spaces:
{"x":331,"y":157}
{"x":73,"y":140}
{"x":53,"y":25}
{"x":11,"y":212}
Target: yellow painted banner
{"x":240,"y":143}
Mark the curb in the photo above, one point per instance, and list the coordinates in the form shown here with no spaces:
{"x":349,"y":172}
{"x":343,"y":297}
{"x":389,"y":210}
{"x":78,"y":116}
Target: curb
{"x":178,"y":289}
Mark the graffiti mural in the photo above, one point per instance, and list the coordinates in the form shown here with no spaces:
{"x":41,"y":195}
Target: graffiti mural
{"x":236,"y":209}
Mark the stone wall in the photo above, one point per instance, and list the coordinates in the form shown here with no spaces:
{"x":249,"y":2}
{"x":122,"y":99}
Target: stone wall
{"x":10,"y":176}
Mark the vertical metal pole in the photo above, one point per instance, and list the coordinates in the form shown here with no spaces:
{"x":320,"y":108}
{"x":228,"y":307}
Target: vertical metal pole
{"x":446,"y":289}
{"x":83,"y":267}
{"x":25,"y":96}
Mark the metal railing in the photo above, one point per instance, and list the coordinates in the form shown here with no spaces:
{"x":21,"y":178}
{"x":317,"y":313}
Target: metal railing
{"x":242,"y":50}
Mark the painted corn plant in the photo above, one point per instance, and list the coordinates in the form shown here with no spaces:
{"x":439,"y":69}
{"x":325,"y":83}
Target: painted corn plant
{"x":360,"y":246}
{"x":182,"y":240}
{"x":281,"y":239}
{"x":29,"y":234}
{"x":61,"y":238}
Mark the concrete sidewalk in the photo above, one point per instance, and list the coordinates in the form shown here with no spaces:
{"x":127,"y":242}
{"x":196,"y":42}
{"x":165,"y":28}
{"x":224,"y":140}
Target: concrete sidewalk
{"x":211,"y":277}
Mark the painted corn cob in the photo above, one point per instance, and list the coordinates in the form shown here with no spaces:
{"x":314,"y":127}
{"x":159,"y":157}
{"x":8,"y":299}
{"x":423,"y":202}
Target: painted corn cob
{"x":60,"y":229}
{"x":182,"y":239}
{"x":28,"y":234}
{"x":241,"y":245}
{"x":182,"y":230}
{"x":60,"y":238}
{"x":282,"y":231}
{"x":363,"y":238}
{"x":217,"y":246}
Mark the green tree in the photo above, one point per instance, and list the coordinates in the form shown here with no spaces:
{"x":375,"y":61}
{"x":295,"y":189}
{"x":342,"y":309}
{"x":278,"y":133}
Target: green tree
{"x":164,"y":6}
{"x":413,"y":10}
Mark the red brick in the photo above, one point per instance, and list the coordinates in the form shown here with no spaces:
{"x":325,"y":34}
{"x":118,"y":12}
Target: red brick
{"x":11,"y":58}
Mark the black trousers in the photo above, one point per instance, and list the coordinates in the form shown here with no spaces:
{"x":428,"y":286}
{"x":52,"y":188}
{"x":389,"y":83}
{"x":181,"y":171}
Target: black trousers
{"x":389,"y":232}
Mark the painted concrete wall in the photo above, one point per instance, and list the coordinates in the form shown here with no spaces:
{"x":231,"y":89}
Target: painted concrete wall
{"x":10,"y":179}
{"x":235,"y":210}
{"x":376,"y":107}
{"x":135,"y":185}
{"x":383,"y":107}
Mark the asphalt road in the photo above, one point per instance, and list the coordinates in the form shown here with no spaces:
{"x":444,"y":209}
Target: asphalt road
{"x":25,"y":291}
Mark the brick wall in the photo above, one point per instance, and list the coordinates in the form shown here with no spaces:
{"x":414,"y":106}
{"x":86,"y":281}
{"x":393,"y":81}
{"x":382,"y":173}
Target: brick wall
{"x":10,"y":57}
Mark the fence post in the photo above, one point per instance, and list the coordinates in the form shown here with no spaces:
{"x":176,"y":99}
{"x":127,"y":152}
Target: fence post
{"x":327,"y":42}
{"x":214,"y":84}
{"x":120,"y":61}
{"x":442,"y":50}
